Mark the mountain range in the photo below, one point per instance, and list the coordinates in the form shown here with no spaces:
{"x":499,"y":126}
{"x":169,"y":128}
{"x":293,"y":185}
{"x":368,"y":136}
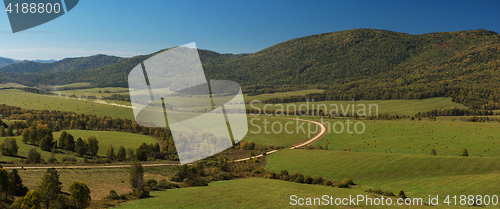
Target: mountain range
{"x":360,"y":64}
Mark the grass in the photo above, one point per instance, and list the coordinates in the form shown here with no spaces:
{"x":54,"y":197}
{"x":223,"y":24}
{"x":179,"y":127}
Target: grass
{"x":117,"y":139}
{"x":262,"y":97}
{"x":391,"y":107}
{"x":99,"y":181}
{"x":94,"y":92}
{"x":11,"y":85}
{"x":73,"y":85}
{"x":417,"y":175}
{"x":260,"y":131}
{"x":403,"y":136}
{"x":27,"y":100}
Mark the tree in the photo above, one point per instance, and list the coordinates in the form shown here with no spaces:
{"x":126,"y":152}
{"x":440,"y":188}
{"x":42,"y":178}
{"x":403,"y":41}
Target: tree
{"x":110,"y":153}
{"x":34,"y":156}
{"x":9,"y":147}
{"x":16,"y":184}
{"x":131,"y":154}
{"x":80,"y":147}
{"x":80,"y":194}
{"x":70,"y":142}
{"x":464,"y":153}
{"x":10,"y":131}
{"x":433,"y":152}
{"x":136,"y":175}
{"x":122,"y":154}
{"x":25,"y":137}
{"x":141,"y":153}
{"x":93,"y":145}
{"x":32,"y":200}
{"x":4,"y":182}
{"x":46,"y":143}
{"x":49,"y":189}
{"x":62,"y":139}
{"x":2,"y":131}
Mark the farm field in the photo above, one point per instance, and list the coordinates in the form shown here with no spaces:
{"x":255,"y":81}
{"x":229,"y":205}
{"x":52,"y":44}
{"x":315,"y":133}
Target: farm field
{"x":94,"y":92}
{"x":248,"y":193}
{"x":73,"y":85}
{"x":404,"y":136}
{"x":262,"y":97}
{"x":391,"y":107}
{"x":11,"y":85}
{"x":105,"y":138}
{"x":27,"y":100}
{"x":99,"y":181}
{"x":417,"y":175}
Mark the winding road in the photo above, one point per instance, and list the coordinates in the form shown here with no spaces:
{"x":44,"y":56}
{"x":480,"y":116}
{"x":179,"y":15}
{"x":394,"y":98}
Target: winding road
{"x":315,"y":138}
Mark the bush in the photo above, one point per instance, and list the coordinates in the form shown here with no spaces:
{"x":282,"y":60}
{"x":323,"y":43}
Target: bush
{"x":389,"y":194}
{"x":402,"y":194}
{"x":151,"y":183}
{"x":308,"y":180}
{"x":433,"y":152}
{"x":464,"y":153}
{"x":329,"y":183}
{"x":112,"y":195}
{"x":348,"y":182}
{"x":318,"y":180}
{"x":299,"y":179}
{"x":164,"y":184}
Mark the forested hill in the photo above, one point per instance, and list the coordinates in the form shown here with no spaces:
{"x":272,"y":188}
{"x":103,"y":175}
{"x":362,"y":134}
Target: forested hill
{"x":6,"y":61}
{"x":68,"y":64}
{"x":359,"y":64}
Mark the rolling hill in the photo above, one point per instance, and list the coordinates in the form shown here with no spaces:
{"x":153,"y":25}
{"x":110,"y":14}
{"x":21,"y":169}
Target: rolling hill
{"x":354,"y":64}
{"x":68,"y":64}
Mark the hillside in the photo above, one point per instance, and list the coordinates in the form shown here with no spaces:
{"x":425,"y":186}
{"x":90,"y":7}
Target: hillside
{"x":361,"y":64}
{"x":68,"y":64}
{"x":6,"y":61}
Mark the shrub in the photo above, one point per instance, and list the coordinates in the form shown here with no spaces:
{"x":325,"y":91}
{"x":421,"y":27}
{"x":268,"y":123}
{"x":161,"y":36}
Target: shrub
{"x":402,"y":194}
{"x":318,"y":180}
{"x":348,"y":182}
{"x":151,"y":183}
{"x":113,"y":195}
{"x":328,"y":183}
{"x":299,"y":179}
{"x":34,"y":157}
{"x":389,"y":194}
{"x":464,"y":153}
{"x":433,"y":152}
{"x":308,"y":180}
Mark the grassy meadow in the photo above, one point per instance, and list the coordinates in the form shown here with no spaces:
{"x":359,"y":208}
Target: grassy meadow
{"x":417,"y":175}
{"x":105,"y":138}
{"x":27,"y":100}
{"x":405,"y":136}
{"x":391,"y":107}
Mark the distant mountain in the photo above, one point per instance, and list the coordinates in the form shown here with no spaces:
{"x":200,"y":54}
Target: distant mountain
{"x":6,"y":61}
{"x":45,"y":61}
{"x":67,"y":64}
{"x":358,"y":64}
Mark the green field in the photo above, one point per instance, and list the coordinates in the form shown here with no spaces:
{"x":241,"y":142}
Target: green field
{"x":262,"y":97}
{"x":11,"y":85}
{"x":99,"y":181}
{"x":403,"y":136}
{"x":73,"y":85}
{"x":263,"y":135}
{"x":105,"y":138}
{"x":391,"y":107}
{"x":27,"y":100}
{"x":94,"y":92}
{"x":417,"y":175}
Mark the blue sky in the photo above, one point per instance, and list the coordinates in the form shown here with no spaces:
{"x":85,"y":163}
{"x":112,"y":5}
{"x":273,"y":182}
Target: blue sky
{"x":127,"y":28}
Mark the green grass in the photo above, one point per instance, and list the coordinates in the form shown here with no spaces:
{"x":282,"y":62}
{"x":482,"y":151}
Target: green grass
{"x":105,"y":138}
{"x":391,"y":107}
{"x":94,"y":92}
{"x":73,"y":85}
{"x":242,"y":193}
{"x":403,"y":136}
{"x":27,"y":100}
{"x":99,"y":181}
{"x":260,"y":131}
{"x":10,"y":85}
{"x":262,"y":97}
{"x":417,"y":175}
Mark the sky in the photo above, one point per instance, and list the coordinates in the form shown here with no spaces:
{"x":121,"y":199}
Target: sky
{"x":127,"y":28}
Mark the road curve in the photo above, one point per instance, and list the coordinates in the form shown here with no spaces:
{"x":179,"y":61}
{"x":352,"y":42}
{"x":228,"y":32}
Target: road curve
{"x":315,"y":138}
